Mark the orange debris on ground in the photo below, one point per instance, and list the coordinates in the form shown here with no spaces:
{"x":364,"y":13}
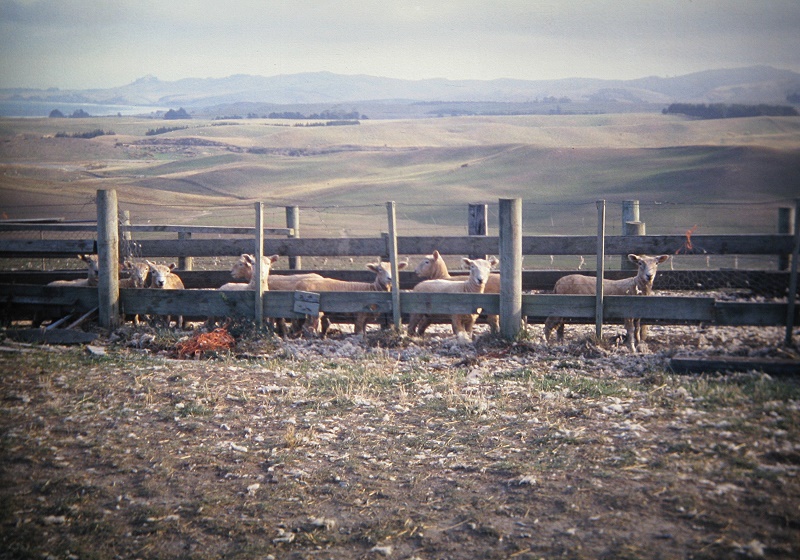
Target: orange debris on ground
{"x":214,"y":341}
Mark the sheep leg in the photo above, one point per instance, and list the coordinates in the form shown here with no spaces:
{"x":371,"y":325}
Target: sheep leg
{"x":424,"y":322}
{"x":550,"y":324}
{"x":630,"y":338}
{"x":413,"y":321}
{"x":494,"y":323}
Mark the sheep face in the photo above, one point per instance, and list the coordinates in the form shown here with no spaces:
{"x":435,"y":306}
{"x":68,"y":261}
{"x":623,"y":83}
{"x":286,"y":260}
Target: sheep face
{"x":432,"y":266}
{"x":243,"y":268}
{"x":160,"y":273}
{"x":383,"y":275}
{"x":138,"y":273}
{"x":94,"y":267}
{"x":479,"y":269}
{"x":647,"y":266}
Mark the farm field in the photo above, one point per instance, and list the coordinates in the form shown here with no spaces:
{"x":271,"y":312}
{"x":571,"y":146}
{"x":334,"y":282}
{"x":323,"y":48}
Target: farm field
{"x":210,"y":172}
{"x":397,"y":448}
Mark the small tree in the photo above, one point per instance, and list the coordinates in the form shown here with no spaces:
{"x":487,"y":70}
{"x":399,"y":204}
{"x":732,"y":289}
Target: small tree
{"x":179,"y":114}
{"x":56,"y":114}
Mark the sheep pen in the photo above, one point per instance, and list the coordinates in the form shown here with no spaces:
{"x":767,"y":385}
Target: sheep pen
{"x":397,"y":447}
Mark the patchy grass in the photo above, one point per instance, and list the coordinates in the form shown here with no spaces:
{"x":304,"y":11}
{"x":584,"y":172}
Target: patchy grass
{"x":352,"y":449}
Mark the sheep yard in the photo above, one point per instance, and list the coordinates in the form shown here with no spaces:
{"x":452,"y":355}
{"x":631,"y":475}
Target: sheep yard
{"x":397,"y":447}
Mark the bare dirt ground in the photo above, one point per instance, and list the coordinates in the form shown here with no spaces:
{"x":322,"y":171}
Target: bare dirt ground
{"x":398,"y":448}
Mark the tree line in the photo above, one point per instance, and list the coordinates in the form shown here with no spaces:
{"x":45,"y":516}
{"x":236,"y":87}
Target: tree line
{"x":724,"y":111}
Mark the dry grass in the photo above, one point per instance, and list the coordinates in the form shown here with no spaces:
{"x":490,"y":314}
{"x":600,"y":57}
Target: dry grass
{"x":396,"y":447}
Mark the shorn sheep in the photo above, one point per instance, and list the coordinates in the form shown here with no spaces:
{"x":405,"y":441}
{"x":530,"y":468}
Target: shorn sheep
{"x":382,"y":283}
{"x":243,"y":268}
{"x":163,"y":278}
{"x":639,"y":285}
{"x":433,"y":267}
{"x":479,"y":272}
{"x":138,"y":276}
{"x":90,"y":280}
{"x":249,"y":262}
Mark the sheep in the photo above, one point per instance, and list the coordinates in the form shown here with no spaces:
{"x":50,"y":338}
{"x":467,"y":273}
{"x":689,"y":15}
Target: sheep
{"x":243,"y":270}
{"x":433,"y":267}
{"x":249,"y":261}
{"x":162,"y":278}
{"x":382,"y":283}
{"x":641,"y":284}
{"x":90,"y":280}
{"x":479,"y":272}
{"x":138,"y":277}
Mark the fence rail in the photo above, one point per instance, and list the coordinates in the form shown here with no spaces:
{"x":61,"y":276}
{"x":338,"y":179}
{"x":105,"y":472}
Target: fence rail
{"x":204,"y":302}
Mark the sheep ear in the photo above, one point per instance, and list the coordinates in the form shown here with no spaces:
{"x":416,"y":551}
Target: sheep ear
{"x":402,"y":265}
{"x":373,"y":267}
{"x":634,"y":258}
{"x":436,"y":255}
{"x":274,"y":258}
{"x":466,"y":261}
{"x":661,"y":258}
{"x":173,"y":266}
{"x":127,"y":265}
{"x":494,"y":261}
{"x":150,"y":264}
{"x":249,"y":259}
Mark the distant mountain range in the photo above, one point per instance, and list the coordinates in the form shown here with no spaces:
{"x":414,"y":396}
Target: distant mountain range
{"x":757,"y":84}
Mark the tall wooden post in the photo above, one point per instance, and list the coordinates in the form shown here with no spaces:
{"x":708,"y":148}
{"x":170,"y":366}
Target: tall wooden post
{"x":601,"y":256}
{"x":108,"y":258}
{"x":510,"y":267}
{"x":293,"y":221}
{"x":185,"y":262}
{"x":785,"y":225}
{"x":477,"y":223}
{"x":395,"y":271}
{"x":631,"y":225}
{"x":259,"y":254}
{"x":792,"y":295}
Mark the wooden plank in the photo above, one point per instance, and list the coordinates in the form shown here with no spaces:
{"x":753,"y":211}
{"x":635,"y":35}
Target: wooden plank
{"x":752,"y":314}
{"x":771,"y":366}
{"x":55,"y":336}
{"x":306,"y":303}
{"x":694,"y":309}
{"x":16,"y":248}
{"x":199,"y":303}
{"x":214,"y":230}
{"x":448,"y":304}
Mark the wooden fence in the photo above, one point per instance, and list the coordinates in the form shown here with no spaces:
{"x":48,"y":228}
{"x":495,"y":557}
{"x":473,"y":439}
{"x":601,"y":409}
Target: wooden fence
{"x":19,"y":293}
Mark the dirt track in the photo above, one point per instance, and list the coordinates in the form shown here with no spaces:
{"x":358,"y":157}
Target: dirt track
{"x":398,"y":448}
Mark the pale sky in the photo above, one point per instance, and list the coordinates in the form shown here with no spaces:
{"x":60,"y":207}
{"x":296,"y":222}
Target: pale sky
{"x":80,"y":44}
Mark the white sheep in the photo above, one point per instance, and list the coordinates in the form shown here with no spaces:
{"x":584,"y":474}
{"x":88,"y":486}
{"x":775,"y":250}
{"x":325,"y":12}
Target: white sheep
{"x":433,"y":267}
{"x":248,"y":262}
{"x":639,"y":285}
{"x":138,"y":276}
{"x":479,"y":272}
{"x":382,"y":283}
{"x":243,"y":268}
{"x":163,"y":278}
{"x":92,"y":277}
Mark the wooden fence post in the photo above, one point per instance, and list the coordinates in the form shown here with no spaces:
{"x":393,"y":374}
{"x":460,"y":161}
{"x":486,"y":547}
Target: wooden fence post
{"x":184,"y":262}
{"x":792,"y":295}
{"x":785,"y":225}
{"x":108,"y":258}
{"x":477,"y":223}
{"x":630,"y":226}
{"x":259,"y":253}
{"x":510,"y":267}
{"x":601,"y":256}
{"x":293,"y":221}
{"x":395,"y":271}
